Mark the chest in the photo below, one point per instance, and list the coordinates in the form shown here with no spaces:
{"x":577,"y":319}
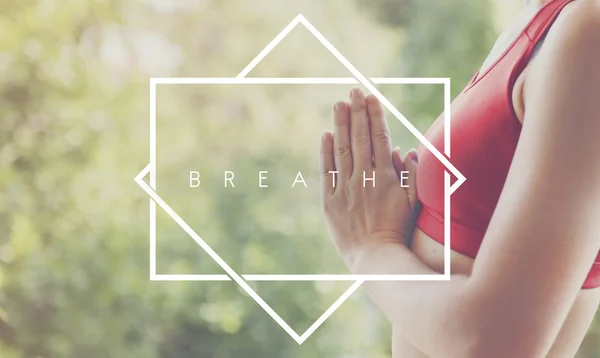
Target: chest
{"x":485,"y":128}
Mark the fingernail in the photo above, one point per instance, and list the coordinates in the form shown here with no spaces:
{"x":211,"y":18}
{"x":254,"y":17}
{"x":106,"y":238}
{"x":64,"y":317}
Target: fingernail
{"x":356,"y":92}
{"x":413,"y":156}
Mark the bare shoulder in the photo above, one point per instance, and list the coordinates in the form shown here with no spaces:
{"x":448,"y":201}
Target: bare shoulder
{"x":565,"y":75}
{"x":577,"y":28}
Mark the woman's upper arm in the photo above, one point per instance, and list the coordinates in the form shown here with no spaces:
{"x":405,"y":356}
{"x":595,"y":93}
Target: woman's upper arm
{"x":545,"y":232}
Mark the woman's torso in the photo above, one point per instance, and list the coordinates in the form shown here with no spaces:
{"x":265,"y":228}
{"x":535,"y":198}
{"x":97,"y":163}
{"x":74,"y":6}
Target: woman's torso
{"x":431,"y":252}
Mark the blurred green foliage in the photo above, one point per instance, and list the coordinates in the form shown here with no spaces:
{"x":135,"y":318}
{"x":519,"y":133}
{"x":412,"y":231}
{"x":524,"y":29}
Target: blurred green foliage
{"x":74,"y":132}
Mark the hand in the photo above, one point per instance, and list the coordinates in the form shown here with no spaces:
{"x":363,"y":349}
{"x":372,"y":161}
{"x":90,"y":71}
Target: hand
{"x":361,"y":212}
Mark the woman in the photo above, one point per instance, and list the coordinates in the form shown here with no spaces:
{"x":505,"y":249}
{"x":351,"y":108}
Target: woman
{"x":525,"y":241}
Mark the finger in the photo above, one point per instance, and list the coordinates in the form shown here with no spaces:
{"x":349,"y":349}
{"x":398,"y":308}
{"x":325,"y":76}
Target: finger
{"x":341,"y":139}
{"x":360,"y":142}
{"x":380,"y":134}
{"x":408,"y":179}
{"x":411,"y":161}
{"x":327,"y":164}
{"x":397,"y":161}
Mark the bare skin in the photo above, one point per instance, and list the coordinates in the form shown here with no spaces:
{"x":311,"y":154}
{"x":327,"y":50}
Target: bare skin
{"x":431,"y":252}
{"x":534,"y":306}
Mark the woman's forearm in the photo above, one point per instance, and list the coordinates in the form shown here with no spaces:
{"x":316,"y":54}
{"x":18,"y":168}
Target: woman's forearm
{"x":437,"y":317}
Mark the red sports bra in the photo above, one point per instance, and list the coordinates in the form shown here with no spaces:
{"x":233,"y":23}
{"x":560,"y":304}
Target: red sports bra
{"x":485,"y":131}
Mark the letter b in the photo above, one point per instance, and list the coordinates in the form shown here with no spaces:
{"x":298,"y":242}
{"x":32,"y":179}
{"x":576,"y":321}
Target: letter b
{"x":194,"y":179}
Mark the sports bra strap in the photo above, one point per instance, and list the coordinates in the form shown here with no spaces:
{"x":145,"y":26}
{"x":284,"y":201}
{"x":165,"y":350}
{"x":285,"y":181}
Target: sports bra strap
{"x":543,"y":20}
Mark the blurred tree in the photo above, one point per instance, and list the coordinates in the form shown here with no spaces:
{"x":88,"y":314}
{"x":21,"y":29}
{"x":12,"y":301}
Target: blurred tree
{"x":442,"y":39}
{"x":73,"y":234}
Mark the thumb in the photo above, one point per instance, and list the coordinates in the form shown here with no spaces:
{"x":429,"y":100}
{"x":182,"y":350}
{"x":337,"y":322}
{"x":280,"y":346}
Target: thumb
{"x":411,"y":161}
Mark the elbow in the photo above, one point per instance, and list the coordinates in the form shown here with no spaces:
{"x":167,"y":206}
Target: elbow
{"x":470,"y":345}
{"x":474,"y":329}
{"x":484,"y":336}
{"x":479,"y":345}
{"x":491,"y":334}
{"x":488,"y":347}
